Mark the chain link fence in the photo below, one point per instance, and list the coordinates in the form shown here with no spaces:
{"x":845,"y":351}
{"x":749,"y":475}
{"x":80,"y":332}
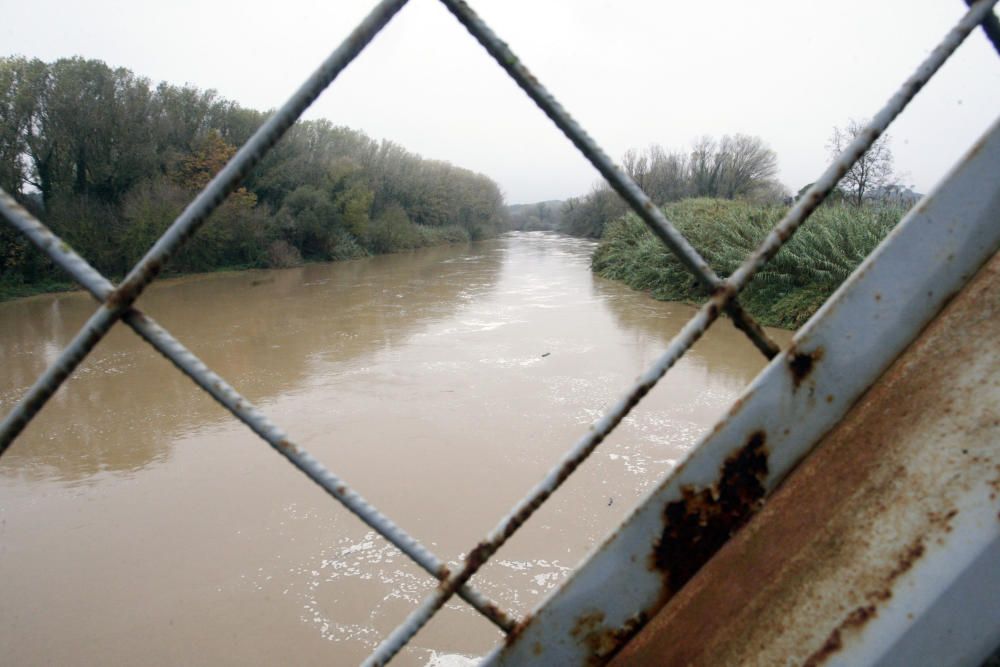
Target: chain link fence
{"x":117,"y":302}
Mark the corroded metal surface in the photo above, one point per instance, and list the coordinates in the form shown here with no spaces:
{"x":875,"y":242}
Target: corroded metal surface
{"x":803,"y":393}
{"x":858,"y":557}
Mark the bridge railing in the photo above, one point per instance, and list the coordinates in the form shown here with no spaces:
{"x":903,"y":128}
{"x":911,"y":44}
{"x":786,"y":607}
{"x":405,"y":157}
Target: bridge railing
{"x":117,"y":304}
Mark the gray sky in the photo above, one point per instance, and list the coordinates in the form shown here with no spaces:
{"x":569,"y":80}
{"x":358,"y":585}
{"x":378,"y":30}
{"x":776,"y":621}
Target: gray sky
{"x":631,"y":72}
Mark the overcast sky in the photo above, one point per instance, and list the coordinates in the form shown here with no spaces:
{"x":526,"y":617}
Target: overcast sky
{"x":632,"y":73}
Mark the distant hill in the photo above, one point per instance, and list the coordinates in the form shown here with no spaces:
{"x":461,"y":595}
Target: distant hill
{"x":543,"y":215}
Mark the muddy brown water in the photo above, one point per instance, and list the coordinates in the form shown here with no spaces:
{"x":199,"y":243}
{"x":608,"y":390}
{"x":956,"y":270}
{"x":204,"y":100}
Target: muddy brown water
{"x":141,"y":524}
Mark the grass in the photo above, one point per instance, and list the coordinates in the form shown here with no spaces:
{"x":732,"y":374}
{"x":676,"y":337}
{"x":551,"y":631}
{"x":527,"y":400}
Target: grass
{"x":786,"y":292}
{"x":10,"y":289}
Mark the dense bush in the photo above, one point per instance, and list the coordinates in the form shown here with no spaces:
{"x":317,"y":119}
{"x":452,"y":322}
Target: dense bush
{"x":786,"y":292}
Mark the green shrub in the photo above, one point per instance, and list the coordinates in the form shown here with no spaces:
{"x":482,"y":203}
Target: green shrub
{"x":393,"y":231}
{"x":343,"y":245}
{"x":282,"y":254}
{"x":786,"y":292}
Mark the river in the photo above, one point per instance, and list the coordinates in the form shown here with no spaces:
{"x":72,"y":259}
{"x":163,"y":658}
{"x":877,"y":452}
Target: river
{"x":141,"y":524}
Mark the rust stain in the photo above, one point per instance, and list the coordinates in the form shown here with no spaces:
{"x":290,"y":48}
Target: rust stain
{"x":287,"y":447}
{"x":116,"y":298}
{"x":809,"y":574}
{"x":976,"y":148}
{"x":943,"y":519}
{"x":516,"y":631}
{"x":587,"y":624}
{"x":801,"y":364}
{"x":697,"y":525}
{"x":491,"y":607}
{"x":835,"y":642}
{"x":479,"y":555}
{"x":860,"y":616}
{"x":604,"y":642}
{"x":906,"y":560}
{"x":713,"y":310}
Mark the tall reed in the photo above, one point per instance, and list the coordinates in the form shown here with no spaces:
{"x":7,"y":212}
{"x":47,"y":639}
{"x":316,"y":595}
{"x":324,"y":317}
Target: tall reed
{"x":787,"y":291}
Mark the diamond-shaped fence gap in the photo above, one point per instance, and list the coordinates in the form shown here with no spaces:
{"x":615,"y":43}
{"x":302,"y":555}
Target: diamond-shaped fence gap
{"x":411,"y":88}
{"x":416,"y":103}
{"x":698,"y":324}
{"x":616,"y":178}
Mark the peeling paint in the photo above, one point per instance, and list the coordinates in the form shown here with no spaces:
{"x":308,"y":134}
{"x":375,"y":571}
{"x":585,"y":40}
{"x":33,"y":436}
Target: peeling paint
{"x":697,"y":525}
{"x":801,"y":364}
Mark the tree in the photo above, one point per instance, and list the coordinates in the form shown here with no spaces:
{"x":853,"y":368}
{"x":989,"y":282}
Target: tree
{"x":109,"y":160}
{"x":873,"y":169}
{"x":705,"y":168}
{"x":748,"y":165}
{"x":737,"y":166}
{"x":661,"y":175}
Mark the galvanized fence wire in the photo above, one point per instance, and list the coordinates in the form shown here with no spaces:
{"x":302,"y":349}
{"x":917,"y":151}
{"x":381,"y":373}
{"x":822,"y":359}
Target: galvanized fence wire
{"x":721,"y":297}
{"x":116,"y":303}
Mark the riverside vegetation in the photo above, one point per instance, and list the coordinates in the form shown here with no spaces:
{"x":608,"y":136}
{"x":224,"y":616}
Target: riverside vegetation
{"x":787,"y":291}
{"x":723,"y":197}
{"x":108,"y":161}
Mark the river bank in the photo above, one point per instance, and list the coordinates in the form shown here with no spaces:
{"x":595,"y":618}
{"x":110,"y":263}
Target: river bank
{"x":11,"y":290}
{"x":786,"y":292}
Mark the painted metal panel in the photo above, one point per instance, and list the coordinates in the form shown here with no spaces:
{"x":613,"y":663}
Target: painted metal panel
{"x":881,"y":547}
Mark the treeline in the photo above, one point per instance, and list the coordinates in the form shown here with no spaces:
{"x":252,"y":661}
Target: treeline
{"x":787,"y":291}
{"x":735,"y":167}
{"x":108,"y":160}
{"x":724,"y":198}
{"x":540,"y":216}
